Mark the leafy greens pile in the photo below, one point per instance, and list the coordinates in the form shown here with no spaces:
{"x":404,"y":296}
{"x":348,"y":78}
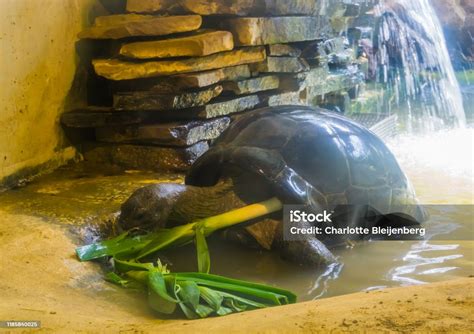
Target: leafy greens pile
{"x":197,"y":295}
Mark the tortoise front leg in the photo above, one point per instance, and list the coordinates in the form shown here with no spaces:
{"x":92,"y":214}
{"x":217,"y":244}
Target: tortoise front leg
{"x":308,"y":252}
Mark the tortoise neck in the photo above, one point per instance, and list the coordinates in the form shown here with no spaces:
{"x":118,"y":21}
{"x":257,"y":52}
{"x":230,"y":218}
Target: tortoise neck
{"x":201,"y":202}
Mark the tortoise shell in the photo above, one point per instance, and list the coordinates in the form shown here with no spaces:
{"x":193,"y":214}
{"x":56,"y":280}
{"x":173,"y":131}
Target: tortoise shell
{"x":310,"y":156}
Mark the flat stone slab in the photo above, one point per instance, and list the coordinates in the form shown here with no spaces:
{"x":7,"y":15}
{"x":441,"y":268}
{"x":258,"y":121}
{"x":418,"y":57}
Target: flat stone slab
{"x":250,"y":7}
{"x":314,"y":77}
{"x":281,"y":65}
{"x":219,"y":108}
{"x":279,"y":50}
{"x":99,"y":117}
{"x":226,"y":7}
{"x":181,"y":82}
{"x":171,"y":134}
{"x":153,"y":158}
{"x":201,"y":44}
{"x":252,"y":85}
{"x":287,"y":98}
{"x":151,"y":6}
{"x":272,"y":30}
{"x":130,"y":25}
{"x":152,"y":100}
{"x":115,"y":69}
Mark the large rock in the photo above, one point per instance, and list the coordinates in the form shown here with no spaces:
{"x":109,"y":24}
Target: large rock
{"x":272,"y":30}
{"x":218,"y":109}
{"x":281,"y":65}
{"x":250,"y":7}
{"x":114,"y":69}
{"x":99,"y":117}
{"x":450,"y":13}
{"x":297,"y":82}
{"x":129,"y":25}
{"x":279,"y":50}
{"x":202,"y":44}
{"x":281,"y":99}
{"x":152,"y":100}
{"x":226,"y":7}
{"x":252,"y":85}
{"x":468,"y":6}
{"x":151,"y":6}
{"x":145,"y":157}
{"x":182,"y":82}
{"x":170,"y":134}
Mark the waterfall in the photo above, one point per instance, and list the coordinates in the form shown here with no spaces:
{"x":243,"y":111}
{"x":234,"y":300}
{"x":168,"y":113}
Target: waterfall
{"x":413,"y":60}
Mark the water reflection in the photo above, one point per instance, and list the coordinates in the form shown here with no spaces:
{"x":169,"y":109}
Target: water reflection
{"x":441,"y":167}
{"x":321,"y":285}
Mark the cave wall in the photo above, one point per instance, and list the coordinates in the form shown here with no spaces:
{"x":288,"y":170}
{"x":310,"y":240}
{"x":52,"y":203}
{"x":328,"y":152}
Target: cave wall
{"x":38,"y":64}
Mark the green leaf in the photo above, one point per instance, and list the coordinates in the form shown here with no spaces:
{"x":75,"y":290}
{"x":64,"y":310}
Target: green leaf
{"x":203,"y":258}
{"x":189,"y":293}
{"x":131,"y":265}
{"x":116,"y":279}
{"x":243,"y":301}
{"x":122,"y":245}
{"x":138,"y":275}
{"x":224,"y":311}
{"x":125,"y":283}
{"x":158,"y":296}
{"x":235,"y":305}
{"x":188,"y":312}
{"x":204,"y":311}
{"x":178,"y":235}
{"x":264,"y":293}
{"x":211,"y":297}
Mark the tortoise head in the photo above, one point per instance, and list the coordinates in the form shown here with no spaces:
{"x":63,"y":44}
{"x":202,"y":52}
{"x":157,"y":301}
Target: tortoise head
{"x":150,"y":206}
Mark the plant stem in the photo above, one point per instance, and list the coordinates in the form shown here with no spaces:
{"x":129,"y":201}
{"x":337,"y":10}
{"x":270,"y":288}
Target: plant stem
{"x":227,"y":219}
{"x":184,"y":234}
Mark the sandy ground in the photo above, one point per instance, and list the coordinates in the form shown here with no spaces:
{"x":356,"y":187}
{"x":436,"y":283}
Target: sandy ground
{"x":40,"y":279}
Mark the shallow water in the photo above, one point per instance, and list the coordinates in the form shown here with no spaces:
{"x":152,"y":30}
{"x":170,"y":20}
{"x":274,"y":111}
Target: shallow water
{"x":440,"y":166}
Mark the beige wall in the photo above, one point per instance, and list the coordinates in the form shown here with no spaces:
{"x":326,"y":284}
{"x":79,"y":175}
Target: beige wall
{"x":37,"y":65}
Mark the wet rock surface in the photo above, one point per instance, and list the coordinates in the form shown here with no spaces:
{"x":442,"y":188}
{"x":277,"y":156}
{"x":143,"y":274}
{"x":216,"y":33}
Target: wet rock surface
{"x":224,"y":7}
{"x":253,"y":85}
{"x":279,"y":50}
{"x":152,"y":100}
{"x":185,"y":82}
{"x":169,"y":134}
{"x":114,"y":69}
{"x":288,"y":98}
{"x":202,"y":44}
{"x":99,"y":117}
{"x":281,"y":65}
{"x":145,"y":157}
{"x":457,"y":19}
{"x":130,"y":25}
{"x":272,"y":30}
{"x":220,"y":108}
